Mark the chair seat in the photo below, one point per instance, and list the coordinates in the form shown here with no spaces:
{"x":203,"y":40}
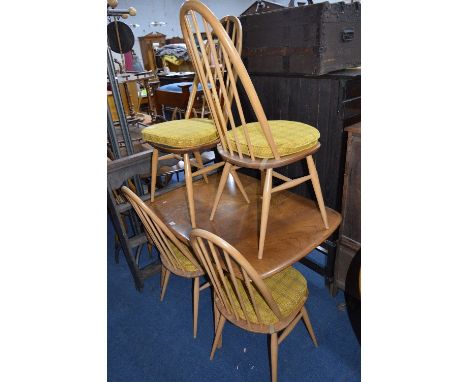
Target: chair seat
{"x":290,"y":138}
{"x":182,"y":133}
{"x":288,"y":288}
{"x":185,"y":264}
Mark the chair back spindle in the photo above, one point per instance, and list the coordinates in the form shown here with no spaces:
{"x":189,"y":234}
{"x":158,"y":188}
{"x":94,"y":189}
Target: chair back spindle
{"x":219,"y":67}
{"x":232,"y":277}
{"x":159,"y":233}
{"x":233,"y":28}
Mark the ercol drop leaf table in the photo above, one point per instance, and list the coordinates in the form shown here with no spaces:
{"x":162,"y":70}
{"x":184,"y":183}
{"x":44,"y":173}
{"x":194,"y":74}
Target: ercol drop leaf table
{"x":295,"y":226}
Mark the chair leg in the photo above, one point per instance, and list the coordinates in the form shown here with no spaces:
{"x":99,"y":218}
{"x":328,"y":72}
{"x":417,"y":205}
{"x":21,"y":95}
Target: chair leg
{"x":116,"y":248}
{"x":239,"y":185}
{"x":138,"y":255}
{"x":265,"y":209}
{"x":163,"y":272}
{"x":174,"y":113}
{"x":305,"y":317}
{"x":199,"y":160}
{"x":167,"y":273}
{"x":222,"y":184}
{"x":274,"y":356}
{"x":216,"y":320}
{"x":189,"y":186}
{"x":317,"y":189}
{"x":262,"y":180}
{"x":196,"y":294}
{"x":154,"y":171}
{"x":150,"y":249}
{"x":219,"y":330}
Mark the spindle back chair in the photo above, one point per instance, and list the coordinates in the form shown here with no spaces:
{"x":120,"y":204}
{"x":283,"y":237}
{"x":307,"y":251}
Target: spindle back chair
{"x":217,"y":73}
{"x":175,"y":256}
{"x":262,"y":145}
{"x":191,"y":135}
{"x":242,"y":297}
{"x":233,"y":28}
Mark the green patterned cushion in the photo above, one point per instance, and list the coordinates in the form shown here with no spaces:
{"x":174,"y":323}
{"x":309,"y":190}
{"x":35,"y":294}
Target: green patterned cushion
{"x":183,"y":262}
{"x":290,"y":137}
{"x":182,"y":133}
{"x":288,"y":288}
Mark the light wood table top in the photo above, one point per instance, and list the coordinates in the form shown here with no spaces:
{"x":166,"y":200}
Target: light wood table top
{"x":294,"y":229}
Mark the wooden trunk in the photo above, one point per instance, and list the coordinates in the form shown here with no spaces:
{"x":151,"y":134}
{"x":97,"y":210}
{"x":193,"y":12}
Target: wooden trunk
{"x":312,"y":39}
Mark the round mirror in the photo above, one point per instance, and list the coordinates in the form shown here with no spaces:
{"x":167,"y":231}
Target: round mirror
{"x":118,"y":30}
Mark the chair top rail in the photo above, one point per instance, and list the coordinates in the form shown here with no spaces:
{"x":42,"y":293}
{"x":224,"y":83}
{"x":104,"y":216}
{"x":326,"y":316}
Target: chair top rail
{"x":218,"y":74}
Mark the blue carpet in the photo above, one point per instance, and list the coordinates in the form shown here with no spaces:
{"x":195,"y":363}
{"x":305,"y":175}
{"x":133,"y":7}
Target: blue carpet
{"x":149,"y":340}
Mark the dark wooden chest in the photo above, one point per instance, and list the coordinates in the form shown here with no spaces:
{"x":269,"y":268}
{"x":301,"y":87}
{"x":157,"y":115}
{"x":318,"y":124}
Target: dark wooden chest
{"x":311,"y":39}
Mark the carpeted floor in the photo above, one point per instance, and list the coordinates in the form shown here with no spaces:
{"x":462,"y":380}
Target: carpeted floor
{"x":149,"y":340}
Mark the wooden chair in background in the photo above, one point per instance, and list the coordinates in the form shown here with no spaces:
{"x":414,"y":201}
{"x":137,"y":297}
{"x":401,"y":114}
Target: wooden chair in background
{"x":263,"y":145}
{"x":273,"y":305}
{"x":123,"y":216}
{"x":129,"y":95}
{"x":175,"y":256}
{"x":191,"y":135}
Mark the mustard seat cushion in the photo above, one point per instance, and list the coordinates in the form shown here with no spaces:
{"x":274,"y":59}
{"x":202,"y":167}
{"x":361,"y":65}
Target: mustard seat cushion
{"x":290,"y":137}
{"x":183,"y":263}
{"x":288,"y":288}
{"x":182,"y":133}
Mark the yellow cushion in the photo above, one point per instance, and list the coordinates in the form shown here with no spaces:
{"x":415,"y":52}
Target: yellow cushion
{"x":290,"y":137}
{"x":182,"y":133}
{"x":288,"y":288}
{"x":185,"y":264}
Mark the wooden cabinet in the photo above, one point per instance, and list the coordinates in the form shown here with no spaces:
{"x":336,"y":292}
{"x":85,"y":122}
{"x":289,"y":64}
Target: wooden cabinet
{"x":349,"y":241}
{"x":147,"y":51}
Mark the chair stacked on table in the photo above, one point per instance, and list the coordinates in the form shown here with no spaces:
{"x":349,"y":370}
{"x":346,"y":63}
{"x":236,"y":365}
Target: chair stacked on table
{"x":190,"y":135}
{"x":263,"y":145}
{"x":273,"y":305}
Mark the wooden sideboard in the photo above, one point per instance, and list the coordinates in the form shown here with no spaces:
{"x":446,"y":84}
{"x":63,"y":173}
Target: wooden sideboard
{"x":147,"y":51}
{"x":349,"y":241}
